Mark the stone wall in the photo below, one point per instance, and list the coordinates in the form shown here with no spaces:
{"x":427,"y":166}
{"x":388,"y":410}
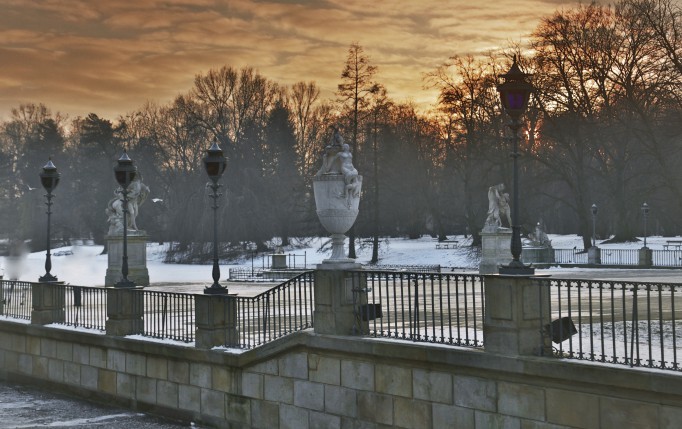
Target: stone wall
{"x":320,"y":381}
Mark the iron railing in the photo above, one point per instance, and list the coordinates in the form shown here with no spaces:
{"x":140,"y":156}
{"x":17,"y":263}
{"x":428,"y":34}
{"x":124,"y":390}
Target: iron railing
{"x":570,"y":256}
{"x":16,"y":299}
{"x":84,"y":307}
{"x":667,"y":258}
{"x":629,"y":257}
{"x":282,"y":310}
{"x":406,"y":268}
{"x":425,"y":307}
{"x":261,"y":274}
{"x":619,"y":256}
{"x":169,"y":315}
{"x":627,"y":323}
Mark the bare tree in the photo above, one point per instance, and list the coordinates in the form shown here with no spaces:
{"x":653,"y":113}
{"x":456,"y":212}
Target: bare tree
{"x":355,"y":91}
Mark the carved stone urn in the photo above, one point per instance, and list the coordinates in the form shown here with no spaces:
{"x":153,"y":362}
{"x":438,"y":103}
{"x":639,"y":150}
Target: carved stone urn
{"x":337,"y":189}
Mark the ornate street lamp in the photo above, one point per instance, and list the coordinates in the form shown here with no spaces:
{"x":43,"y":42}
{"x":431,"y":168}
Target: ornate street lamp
{"x":514,"y":93}
{"x":125,"y":173}
{"x":49,"y":178}
{"x":215,"y":163}
{"x":594,"y":225}
{"x":645,"y":214}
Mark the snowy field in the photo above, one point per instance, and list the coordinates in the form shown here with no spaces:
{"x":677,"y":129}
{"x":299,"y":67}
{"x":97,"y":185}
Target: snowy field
{"x":85,"y":266}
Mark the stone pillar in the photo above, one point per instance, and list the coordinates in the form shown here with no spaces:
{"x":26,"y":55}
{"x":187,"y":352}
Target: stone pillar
{"x":278,"y":261}
{"x":646,"y":257}
{"x":495,"y":249}
{"x":338,"y":295}
{"x":137,"y":258}
{"x":125,"y":311}
{"x":48,"y":303}
{"x":594,"y":255}
{"x":216,"y":321}
{"x":513,"y":315}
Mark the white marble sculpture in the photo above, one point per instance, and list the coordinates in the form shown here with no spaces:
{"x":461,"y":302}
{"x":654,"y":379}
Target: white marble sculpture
{"x":137,"y":194}
{"x":498,"y":207}
{"x":337,"y":187}
{"x":539,"y":237}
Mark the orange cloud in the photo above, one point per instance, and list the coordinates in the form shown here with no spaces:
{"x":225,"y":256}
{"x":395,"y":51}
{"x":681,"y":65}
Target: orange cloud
{"x":109,"y":57}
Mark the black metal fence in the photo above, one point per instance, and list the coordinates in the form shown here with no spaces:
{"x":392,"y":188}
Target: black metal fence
{"x":627,"y":323}
{"x":625,"y":257}
{"x":406,"y":268}
{"x":284,"y":309}
{"x":570,"y":256}
{"x":261,"y":274}
{"x":169,"y":315}
{"x":667,"y":258}
{"x":16,"y":299}
{"x":619,"y":256}
{"x":84,"y":307}
{"x":436,"y":308}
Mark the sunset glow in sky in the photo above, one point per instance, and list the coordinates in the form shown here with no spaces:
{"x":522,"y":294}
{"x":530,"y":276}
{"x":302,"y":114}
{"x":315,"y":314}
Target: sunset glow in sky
{"x":110,"y":56}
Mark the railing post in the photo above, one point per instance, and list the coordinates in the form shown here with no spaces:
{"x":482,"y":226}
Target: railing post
{"x":335,"y":312}
{"x":645,"y":257}
{"x":125,"y":310}
{"x":514,"y":308}
{"x":48,"y":303}
{"x":594,"y":255}
{"x":216,"y":320}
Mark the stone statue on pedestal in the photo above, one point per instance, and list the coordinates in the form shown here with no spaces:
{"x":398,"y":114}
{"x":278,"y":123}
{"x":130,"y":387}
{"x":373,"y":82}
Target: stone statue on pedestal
{"x":137,"y":194}
{"x":539,"y":237}
{"x":136,"y":238}
{"x":498,"y":207}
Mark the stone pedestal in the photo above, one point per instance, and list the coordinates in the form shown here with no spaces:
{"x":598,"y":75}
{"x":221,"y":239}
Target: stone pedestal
{"x":495,"y":249}
{"x":537,"y":255}
{"x":338,"y":295}
{"x":137,"y":258}
{"x":646,"y":257}
{"x":216,"y":321}
{"x":278,"y":260}
{"x":125,"y":309}
{"x":513,"y":317}
{"x":48,"y":300}
{"x":594,"y":255}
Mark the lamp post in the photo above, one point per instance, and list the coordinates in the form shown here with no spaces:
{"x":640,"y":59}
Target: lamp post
{"x":594,"y":225}
{"x":49,"y":178}
{"x":645,"y":214}
{"x":215,"y":163}
{"x":514,"y":93}
{"x":125,"y":173}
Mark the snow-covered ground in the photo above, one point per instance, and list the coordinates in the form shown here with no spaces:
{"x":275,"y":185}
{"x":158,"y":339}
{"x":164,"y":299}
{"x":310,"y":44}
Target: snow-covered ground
{"x":84,"y":265}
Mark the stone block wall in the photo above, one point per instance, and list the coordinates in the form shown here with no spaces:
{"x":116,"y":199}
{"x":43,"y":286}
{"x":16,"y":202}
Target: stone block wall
{"x":318,"y":381}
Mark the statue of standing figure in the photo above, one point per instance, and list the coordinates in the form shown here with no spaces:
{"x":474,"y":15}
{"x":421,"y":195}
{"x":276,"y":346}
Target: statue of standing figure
{"x":137,"y":194}
{"x":498,"y":206}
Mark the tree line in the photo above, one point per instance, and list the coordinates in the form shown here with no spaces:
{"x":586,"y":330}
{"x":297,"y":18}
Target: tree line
{"x":604,"y":126}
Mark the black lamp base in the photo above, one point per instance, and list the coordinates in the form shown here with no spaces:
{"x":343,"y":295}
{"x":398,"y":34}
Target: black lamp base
{"x":125,"y":284}
{"x":48,"y":278}
{"x":517,"y":268}
{"x":215,"y":289}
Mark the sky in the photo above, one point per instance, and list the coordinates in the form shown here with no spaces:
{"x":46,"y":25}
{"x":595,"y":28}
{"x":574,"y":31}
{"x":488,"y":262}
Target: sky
{"x":111,"y":56}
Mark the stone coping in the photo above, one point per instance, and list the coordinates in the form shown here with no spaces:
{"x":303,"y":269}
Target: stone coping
{"x":659,"y":386}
